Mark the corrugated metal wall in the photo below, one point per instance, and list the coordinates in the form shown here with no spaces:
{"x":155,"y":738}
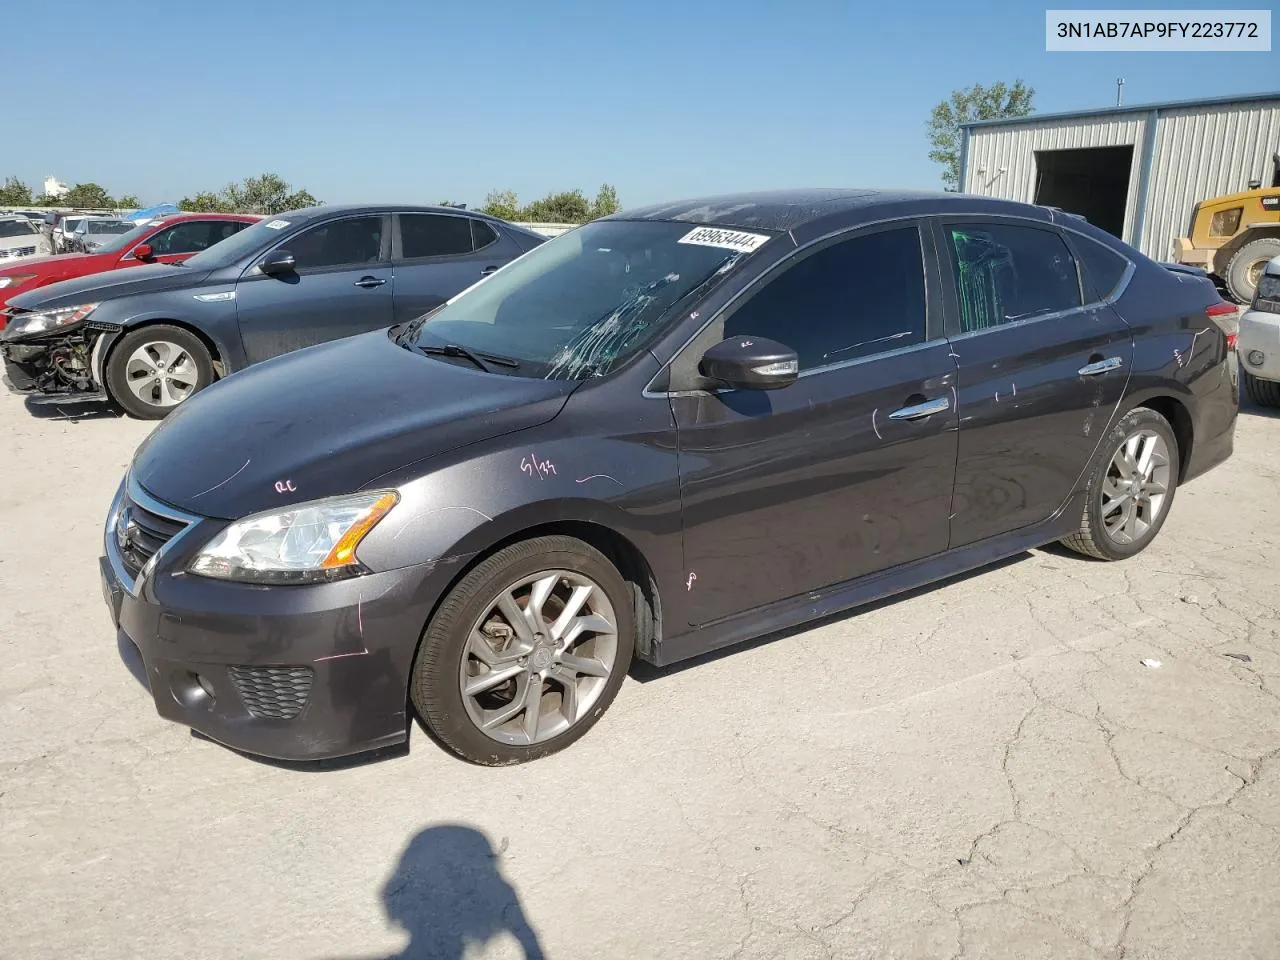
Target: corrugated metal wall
{"x":1014,"y":145}
{"x":1199,"y":152}
{"x":1203,"y":152}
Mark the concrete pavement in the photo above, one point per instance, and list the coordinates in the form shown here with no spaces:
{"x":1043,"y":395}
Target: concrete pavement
{"x":981,"y":769}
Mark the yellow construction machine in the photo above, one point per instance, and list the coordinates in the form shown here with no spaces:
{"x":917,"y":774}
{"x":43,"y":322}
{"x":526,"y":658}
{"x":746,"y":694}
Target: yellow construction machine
{"x":1234,"y":236}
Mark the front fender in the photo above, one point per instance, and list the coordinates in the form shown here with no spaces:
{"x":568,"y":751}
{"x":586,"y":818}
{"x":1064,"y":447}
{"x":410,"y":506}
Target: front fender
{"x":215,"y":322}
{"x":579,"y":470}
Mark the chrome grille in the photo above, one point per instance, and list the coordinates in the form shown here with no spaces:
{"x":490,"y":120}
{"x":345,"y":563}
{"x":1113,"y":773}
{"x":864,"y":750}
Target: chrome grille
{"x":141,"y":532}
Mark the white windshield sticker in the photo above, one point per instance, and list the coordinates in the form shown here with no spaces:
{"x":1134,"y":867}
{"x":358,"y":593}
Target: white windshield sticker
{"x":728,"y":239}
{"x":277,"y":224}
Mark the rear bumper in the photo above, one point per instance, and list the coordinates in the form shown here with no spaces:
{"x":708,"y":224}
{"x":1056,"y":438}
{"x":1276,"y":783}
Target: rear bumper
{"x":1214,"y":423}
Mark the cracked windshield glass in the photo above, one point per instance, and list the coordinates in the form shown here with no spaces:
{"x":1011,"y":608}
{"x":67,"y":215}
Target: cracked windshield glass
{"x":578,"y":306}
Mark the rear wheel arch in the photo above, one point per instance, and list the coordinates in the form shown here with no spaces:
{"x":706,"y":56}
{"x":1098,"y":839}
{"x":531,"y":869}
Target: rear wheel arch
{"x":1179,"y":417}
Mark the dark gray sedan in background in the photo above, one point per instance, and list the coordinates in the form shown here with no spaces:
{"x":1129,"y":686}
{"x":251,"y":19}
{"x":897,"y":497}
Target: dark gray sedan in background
{"x":150,"y":337}
{"x":662,"y":433}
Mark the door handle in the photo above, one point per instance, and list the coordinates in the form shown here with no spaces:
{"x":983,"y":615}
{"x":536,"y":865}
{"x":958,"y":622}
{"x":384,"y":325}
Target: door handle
{"x":1100,"y":366}
{"x":921,"y":410}
{"x":488,"y":270}
{"x":369,"y":282}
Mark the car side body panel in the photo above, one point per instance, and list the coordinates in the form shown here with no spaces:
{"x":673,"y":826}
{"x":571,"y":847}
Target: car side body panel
{"x":1031,"y":415}
{"x":609,"y":462}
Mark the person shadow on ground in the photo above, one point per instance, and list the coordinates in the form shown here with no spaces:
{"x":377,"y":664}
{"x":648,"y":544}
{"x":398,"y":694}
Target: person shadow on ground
{"x":448,"y":894}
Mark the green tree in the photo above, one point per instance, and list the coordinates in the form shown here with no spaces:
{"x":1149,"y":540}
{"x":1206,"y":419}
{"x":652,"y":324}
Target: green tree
{"x":128,"y":202}
{"x":569,"y":206}
{"x":87,"y":196}
{"x":266,"y":195}
{"x":15,"y":193}
{"x":503,"y":204}
{"x":204,"y":202}
{"x":606,"y":202}
{"x":963,"y":106}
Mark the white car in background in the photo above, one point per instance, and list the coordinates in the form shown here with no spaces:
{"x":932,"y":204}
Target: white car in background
{"x":1258,"y":344}
{"x":20,"y":237}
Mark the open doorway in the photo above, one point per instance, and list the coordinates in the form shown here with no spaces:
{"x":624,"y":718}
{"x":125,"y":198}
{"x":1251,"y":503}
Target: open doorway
{"x":1093,"y":182}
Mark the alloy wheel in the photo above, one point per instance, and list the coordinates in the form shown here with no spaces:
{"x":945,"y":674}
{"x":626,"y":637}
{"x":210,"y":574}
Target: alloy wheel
{"x":161,"y":373}
{"x":1136,"y":487}
{"x":539,"y":658}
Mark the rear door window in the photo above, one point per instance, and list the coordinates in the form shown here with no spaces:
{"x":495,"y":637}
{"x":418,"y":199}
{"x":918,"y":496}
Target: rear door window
{"x":1006,"y":273}
{"x":434,"y":235}
{"x":852,"y":299}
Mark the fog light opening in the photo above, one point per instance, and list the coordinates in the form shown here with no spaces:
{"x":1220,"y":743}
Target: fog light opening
{"x":191,"y":690}
{"x":1255,"y":358}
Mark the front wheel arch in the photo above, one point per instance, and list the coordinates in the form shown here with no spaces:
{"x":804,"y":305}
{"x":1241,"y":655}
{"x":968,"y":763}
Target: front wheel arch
{"x":619,"y":550}
{"x":100,"y":367}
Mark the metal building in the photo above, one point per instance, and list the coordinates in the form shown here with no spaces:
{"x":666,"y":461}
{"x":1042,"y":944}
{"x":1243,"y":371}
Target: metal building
{"x":1135,"y":171}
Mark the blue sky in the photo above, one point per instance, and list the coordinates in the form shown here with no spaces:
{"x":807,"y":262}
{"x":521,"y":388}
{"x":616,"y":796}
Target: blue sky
{"x":424,"y":100}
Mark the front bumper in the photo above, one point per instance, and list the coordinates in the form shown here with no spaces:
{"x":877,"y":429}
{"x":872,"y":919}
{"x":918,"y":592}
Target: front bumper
{"x":1260,"y":334}
{"x":293,"y":673}
{"x":23,"y":366}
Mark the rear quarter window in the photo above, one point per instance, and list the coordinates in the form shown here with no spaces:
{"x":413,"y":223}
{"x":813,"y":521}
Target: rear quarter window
{"x":1102,"y":267}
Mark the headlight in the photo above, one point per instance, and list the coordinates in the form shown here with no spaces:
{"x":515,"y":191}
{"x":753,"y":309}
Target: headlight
{"x":15,"y":280}
{"x":42,"y":321}
{"x":308,"y":543}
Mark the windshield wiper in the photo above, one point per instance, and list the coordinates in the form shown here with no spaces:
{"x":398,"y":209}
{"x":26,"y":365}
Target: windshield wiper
{"x":453,"y":350}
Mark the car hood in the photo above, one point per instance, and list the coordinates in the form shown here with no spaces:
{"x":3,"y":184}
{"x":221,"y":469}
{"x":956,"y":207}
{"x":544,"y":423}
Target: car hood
{"x":70,"y":263}
{"x":96,"y":287}
{"x":26,"y":240}
{"x":328,"y":420}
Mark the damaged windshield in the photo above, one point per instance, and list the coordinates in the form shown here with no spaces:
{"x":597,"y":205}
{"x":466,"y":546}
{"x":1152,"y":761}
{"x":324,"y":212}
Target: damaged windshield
{"x":583,"y":303}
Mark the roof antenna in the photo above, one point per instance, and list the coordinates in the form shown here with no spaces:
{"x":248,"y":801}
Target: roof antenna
{"x":1119,"y":90}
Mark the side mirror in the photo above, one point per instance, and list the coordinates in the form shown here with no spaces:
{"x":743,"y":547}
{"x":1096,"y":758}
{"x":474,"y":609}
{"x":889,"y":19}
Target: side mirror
{"x":143,"y":251}
{"x":277,"y":262}
{"x":751,"y":363}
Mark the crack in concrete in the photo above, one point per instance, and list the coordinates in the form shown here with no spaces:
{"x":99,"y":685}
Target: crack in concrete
{"x":1119,"y":950}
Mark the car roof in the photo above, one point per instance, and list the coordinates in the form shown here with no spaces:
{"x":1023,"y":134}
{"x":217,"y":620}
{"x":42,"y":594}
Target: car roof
{"x":194,"y":215}
{"x":783,"y":210}
{"x":311,"y":213}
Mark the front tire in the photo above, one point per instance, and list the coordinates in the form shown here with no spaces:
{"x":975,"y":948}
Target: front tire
{"x":1131,"y":489}
{"x":1265,"y":393}
{"x":153,"y":369}
{"x":526,"y":653}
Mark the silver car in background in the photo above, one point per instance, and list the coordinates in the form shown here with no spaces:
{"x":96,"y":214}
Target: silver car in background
{"x":94,"y":232}
{"x":1258,"y":348}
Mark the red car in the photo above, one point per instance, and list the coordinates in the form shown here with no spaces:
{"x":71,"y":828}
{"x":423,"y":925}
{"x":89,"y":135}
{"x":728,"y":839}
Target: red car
{"x":165,"y":240}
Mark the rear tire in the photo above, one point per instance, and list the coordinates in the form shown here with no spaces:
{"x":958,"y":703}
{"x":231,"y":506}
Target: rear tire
{"x":552,"y":680}
{"x":1131,"y":489}
{"x":1265,"y":393}
{"x":1248,"y":260}
{"x":153,"y":369}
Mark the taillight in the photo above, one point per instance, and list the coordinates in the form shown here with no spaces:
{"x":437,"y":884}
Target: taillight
{"x":1223,"y":315}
